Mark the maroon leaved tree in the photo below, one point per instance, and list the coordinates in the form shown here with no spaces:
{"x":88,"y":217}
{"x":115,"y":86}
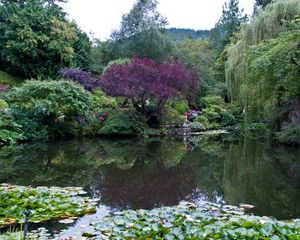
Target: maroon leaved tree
{"x":79,"y":76}
{"x":149,"y":85}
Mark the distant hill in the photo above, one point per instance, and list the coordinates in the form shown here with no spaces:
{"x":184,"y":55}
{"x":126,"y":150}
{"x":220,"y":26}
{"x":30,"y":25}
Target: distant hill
{"x":180,"y":34}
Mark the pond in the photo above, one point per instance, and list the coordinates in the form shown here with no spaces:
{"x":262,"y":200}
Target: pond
{"x":152,"y":172}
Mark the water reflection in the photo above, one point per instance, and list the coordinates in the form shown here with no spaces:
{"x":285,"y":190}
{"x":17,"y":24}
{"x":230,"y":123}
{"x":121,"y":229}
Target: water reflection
{"x":146,"y":173}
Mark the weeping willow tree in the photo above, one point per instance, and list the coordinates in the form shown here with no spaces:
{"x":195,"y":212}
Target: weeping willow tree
{"x":263,"y":65}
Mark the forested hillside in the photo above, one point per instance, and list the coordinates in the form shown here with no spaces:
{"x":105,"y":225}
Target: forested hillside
{"x":181,"y":34}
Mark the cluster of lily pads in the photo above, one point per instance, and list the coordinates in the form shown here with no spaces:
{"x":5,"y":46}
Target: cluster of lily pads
{"x":188,"y":221}
{"x":185,"y":221}
{"x":43,"y":203}
{"x":39,"y":234}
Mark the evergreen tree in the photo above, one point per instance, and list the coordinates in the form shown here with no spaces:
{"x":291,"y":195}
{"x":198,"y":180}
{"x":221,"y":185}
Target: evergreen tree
{"x":142,"y":17}
{"x":262,"y":3}
{"x":228,"y":24}
{"x":141,"y":33}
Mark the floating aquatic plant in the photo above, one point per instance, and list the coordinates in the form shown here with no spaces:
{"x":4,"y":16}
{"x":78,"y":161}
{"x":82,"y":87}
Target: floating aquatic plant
{"x":188,"y":221}
{"x":44,"y":203}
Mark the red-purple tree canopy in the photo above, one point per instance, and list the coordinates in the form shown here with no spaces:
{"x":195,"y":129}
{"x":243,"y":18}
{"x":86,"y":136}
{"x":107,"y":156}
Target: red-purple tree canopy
{"x":143,"y":81}
{"x":79,"y":76}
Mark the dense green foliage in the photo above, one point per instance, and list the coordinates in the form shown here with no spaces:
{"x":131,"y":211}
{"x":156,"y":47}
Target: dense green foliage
{"x":261,"y":60}
{"x":141,"y":33}
{"x":232,"y":17}
{"x":262,"y":70}
{"x":199,"y":55}
{"x":215,"y":115}
{"x":45,"y":109}
{"x":152,"y":43}
{"x":37,"y":40}
{"x":7,"y":81}
{"x":122,"y":123}
{"x":173,"y":115}
{"x":182,"y":34}
{"x":10,"y":132}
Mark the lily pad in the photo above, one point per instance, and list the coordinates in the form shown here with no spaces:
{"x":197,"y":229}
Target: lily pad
{"x":186,"y":221}
{"x":43,"y":203}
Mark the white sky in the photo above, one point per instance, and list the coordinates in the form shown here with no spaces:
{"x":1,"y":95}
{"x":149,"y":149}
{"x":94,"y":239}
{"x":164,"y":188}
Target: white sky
{"x":100,"y":17}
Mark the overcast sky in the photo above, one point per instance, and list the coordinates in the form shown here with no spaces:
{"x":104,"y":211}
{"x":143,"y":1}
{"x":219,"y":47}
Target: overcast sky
{"x":100,"y":17}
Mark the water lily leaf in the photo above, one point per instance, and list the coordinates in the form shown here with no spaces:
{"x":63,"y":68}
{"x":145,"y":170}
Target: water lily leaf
{"x":168,"y":225}
{"x":44,"y":203}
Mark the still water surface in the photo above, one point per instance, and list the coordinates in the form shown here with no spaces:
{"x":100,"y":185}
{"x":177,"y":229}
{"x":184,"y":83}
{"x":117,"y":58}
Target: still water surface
{"x":148,"y":173}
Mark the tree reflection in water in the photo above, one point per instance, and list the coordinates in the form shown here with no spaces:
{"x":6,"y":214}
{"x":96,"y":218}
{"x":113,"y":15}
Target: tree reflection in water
{"x":145,"y":173}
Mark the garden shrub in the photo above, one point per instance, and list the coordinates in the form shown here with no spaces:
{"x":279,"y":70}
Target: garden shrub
{"x":216,"y":114}
{"x":84,"y":78}
{"x":102,"y":101}
{"x":182,"y":107}
{"x":213,"y":100}
{"x":122,"y":123}
{"x":7,"y":79}
{"x":203,"y":121}
{"x":213,"y":113}
{"x":227,"y":119}
{"x":46,"y":109}
{"x":3,"y":105}
{"x":10,"y":131}
{"x":171,"y":116}
{"x":214,"y":125}
{"x":118,"y":61}
{"x":31,"y":124}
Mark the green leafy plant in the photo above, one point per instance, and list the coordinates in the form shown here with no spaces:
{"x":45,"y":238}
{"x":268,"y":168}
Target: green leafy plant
{"x":122,"y":123}
{"x":203,"y":121}
{"x":262,"y":67}
{"x":10,"y":131}
{"x":47,"y":109}
{"x":3,"y":105}
{"x":43,"y":203}
{"x":172,"y":116}
{"x":182,"y":107}
{"x":187,"y":221}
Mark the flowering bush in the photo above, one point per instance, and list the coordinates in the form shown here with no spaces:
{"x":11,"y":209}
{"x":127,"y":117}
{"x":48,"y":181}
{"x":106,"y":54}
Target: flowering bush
{"x":79,"y":76}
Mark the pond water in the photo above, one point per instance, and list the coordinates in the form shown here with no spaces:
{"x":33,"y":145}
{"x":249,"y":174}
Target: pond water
{"x":148,"y":173}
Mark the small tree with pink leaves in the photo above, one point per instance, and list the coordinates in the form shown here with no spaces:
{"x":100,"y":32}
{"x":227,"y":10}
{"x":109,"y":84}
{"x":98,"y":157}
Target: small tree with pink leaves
{"x":149,"y":85}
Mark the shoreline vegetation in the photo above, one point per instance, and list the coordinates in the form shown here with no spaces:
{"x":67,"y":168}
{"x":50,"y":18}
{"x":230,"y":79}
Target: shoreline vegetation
{"x":142,"y":79}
